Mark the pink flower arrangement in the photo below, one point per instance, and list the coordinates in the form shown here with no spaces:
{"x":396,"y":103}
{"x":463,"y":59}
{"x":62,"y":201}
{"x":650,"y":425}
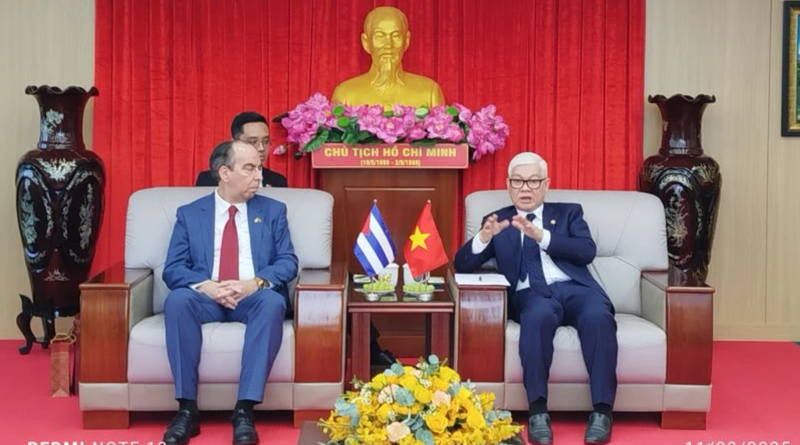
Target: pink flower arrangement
{"x":487,"y":131}
{"x":303,"y":123}
{"x":317,"y":121}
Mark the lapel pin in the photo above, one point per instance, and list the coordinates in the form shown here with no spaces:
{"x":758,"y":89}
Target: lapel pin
{"x":552,"y":222}
{"x":257,"y":220}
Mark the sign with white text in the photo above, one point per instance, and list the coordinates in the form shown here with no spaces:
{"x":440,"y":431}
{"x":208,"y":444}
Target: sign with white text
{"x":439,"y":156}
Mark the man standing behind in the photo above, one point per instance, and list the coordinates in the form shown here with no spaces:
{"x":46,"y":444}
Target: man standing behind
{"x":229,"y":260}
{"x":251,"y":128}
{"x":543,"y":249}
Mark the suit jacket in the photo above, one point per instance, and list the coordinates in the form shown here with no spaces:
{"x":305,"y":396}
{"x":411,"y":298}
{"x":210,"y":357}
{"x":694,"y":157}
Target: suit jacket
{"x":571,"y":246}
{"x":190,"y":258}
{"x":274,"y":179}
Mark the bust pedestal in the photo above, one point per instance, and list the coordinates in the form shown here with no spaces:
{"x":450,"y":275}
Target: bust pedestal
{"x":402,"y":178}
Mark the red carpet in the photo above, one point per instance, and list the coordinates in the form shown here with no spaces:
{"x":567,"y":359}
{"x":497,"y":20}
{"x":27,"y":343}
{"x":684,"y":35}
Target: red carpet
{"x":756,"y":398}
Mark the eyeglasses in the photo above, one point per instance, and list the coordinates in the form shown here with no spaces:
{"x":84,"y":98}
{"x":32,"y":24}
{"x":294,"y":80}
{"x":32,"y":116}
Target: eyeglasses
{"x":256,"y":142}
{"x":533,"y":184}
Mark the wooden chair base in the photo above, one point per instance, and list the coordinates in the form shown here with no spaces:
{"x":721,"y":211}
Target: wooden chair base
{"x":310,"y":415}
{"x":113,"y":420}
{"x":682,"y":420}
{"x":106,"y":420}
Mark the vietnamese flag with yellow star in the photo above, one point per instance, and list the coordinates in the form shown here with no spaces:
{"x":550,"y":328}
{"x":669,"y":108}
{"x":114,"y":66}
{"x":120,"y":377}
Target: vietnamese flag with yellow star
{"x":424,"y":250}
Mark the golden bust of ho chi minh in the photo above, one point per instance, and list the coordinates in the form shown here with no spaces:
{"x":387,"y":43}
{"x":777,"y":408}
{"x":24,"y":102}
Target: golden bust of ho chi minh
{"x":386,"y":38}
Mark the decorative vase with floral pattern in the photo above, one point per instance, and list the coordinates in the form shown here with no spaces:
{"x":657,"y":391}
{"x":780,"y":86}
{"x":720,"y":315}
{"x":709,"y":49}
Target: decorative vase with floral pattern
{"x":687,"y":181}
{"x":60,"y":187}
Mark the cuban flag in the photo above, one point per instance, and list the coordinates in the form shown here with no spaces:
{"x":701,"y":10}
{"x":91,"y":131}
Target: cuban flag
{"x":374,"y":247}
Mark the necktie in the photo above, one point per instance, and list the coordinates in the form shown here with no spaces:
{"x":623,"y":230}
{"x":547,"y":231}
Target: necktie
{"x":229,"y":251}
{"x":531,"y":266}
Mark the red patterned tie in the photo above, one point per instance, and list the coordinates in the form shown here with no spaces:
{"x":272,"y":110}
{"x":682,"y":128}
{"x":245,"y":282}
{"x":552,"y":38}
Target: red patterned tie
{"x":229,"y":251}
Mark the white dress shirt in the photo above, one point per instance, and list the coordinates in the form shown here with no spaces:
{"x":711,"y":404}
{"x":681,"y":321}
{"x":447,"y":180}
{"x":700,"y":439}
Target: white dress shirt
{"x":221,"y":216}
{"x":552,"y":273}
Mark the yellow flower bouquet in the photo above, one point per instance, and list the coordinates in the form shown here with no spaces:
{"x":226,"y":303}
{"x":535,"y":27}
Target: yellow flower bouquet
{"x":423,"y":405}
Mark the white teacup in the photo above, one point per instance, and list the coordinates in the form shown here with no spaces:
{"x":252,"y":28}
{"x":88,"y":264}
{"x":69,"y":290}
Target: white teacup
{"x":391,"y":272}
{"x":408,"y":278}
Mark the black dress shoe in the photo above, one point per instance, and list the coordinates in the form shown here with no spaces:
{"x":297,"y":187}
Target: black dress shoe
{"x":183,"y":427}
{"x":382,"y":358}
{"x":598,"y":431}
{"x":539,"y":431}
{"x":244,"y":430}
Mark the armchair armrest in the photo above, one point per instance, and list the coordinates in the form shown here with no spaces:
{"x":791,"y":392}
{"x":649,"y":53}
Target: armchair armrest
{"x":480,"y":328}
{"x":683,"y":307}
{"x":111,"y":303}
{"x":689,"y":324}
{"x":319,"y":318}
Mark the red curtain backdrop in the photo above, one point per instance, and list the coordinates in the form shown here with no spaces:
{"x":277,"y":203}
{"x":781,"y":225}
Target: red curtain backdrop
{"x":567,"y":75}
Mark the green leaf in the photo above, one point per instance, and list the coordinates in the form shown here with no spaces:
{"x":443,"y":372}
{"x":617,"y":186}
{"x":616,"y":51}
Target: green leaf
{"x":343,"y":122}
{"x":453,"y":389}
{"x":404,"y":397}
{"x":425,"y":436}
{"x":350,"y":138}
{"x":372,"y":139}
{"x":340,"y":404}
{"x":452,"y":111}
{"x":319,"y":139}
{"x":397,"y":368}
{"x":433,"y":359}
{"x":338,"y":110}
{"x":335,"y":135}
{"x":421,"y":112}
{"x":425,"y":142}
{"x":358,"y":384}
{"x":414,"y":422}
{"x":345,"y":408}
{"x":363,"y":135}
{"x":388,"y":113}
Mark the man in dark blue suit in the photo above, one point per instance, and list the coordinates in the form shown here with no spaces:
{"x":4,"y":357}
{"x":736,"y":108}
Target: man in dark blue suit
{"x":230,"y":259}
{"x":543,"y":250}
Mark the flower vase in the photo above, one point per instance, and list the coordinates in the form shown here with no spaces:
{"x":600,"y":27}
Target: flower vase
{"x":687,"y":181}
{"x":60,"y":188}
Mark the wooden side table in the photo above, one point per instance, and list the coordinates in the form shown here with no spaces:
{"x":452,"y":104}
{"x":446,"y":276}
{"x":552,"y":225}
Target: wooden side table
{"x":438,"y":314}
{"x":311,"y":434}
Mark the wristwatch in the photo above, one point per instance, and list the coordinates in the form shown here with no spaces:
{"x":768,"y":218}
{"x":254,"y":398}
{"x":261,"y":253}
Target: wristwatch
{"x":261,"y":283}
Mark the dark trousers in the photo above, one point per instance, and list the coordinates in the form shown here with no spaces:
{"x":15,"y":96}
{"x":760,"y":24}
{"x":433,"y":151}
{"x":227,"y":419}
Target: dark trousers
{"x":185,"y":311}
{"x":571,"y":304}
{"x":374,"y":346}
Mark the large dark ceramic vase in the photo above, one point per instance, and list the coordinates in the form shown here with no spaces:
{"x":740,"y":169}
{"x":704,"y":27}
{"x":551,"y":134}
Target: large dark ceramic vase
{"x":687,"y":181}
{"x":60,"y":189}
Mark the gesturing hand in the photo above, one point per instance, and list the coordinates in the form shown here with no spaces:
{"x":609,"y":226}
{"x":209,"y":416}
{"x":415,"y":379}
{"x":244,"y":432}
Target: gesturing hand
{"x":527,"y":227}
{"x":491,"y":228}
